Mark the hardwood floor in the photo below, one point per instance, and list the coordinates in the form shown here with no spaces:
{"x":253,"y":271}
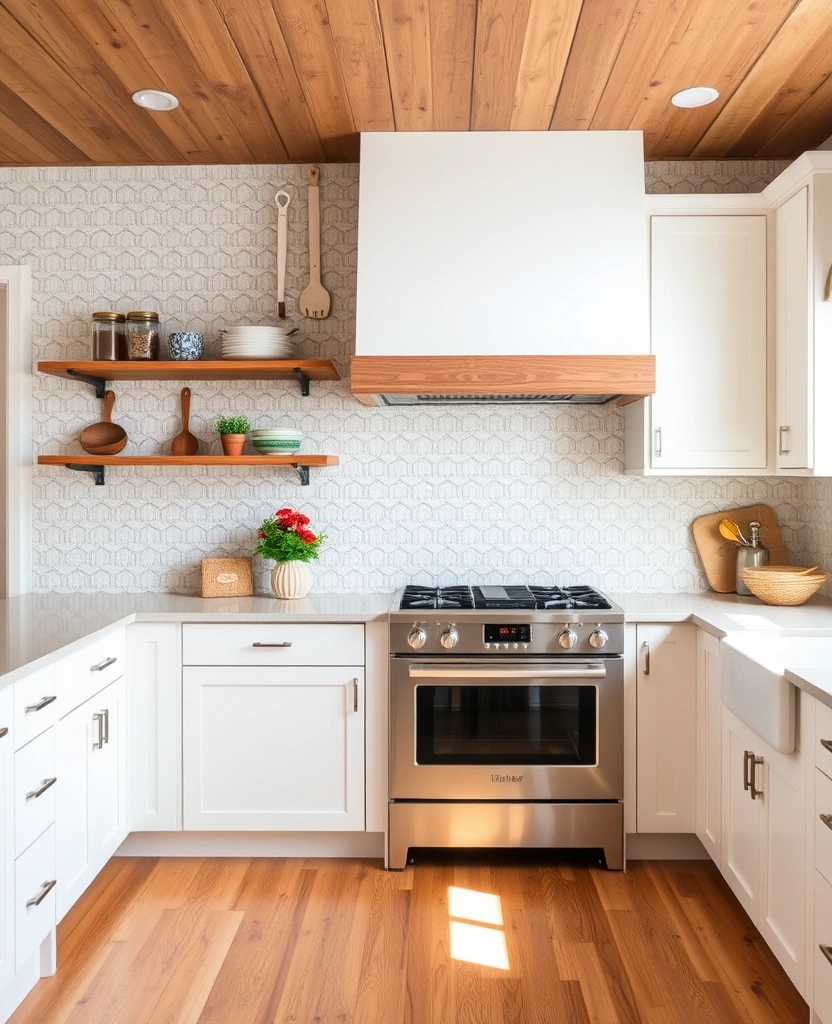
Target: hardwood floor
{"x":235,"y":941}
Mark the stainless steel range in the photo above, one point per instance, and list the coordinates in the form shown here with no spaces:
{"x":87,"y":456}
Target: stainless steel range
{"x":506,"y":720}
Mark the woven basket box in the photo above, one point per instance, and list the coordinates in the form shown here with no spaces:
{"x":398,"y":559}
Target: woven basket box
{"x":227,"y":577}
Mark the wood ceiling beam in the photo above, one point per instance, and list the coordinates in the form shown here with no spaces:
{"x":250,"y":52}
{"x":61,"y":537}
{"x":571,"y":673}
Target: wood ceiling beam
{"x":599,"y":34}
{"x":550,"y":31}
{"x":452,"y":32}
{"x":498,"y":48}
{"x":255,"y":30}
{"x":715,"y":44}
{"x":356,"y":34}
{"x":305,"y":27}
{"x":771,"y":91}
{"x":407,"y":42}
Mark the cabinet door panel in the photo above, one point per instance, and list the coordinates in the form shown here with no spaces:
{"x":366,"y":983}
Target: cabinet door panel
{"x":7,"y":836}
{"x":74,"y":750}
{"x":795,"y":384}
{"x":666,"y":728}
{"x":741,"y":817}
{"x":273,"y":748}
{"x":708,"y":328}
{"x":107,"y":789}
{"x":708,"y":745}
{"x":782,"y":920}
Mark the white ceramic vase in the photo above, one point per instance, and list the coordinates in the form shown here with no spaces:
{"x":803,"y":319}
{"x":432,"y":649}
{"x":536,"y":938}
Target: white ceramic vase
{"x":291,"y":580}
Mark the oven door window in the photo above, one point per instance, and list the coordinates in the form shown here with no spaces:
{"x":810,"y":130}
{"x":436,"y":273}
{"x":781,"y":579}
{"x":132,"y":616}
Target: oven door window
{"x":507,"y":725}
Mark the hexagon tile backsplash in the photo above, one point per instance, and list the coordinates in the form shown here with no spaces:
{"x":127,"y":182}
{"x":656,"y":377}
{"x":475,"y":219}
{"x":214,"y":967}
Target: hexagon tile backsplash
{"x":421,"y":495}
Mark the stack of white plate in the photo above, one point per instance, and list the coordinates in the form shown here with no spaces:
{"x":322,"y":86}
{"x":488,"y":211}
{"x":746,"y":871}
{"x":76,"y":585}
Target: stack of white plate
{"x":258,"y":343}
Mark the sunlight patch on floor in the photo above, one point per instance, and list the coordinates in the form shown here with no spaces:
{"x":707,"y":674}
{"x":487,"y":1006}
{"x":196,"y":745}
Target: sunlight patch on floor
{"x":483,"y":942}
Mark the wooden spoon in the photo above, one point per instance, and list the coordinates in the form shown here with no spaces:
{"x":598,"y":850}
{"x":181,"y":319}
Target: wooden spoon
{"x":185,"y":443}
{"x":104,"y":437}
{"x":314,"y":299}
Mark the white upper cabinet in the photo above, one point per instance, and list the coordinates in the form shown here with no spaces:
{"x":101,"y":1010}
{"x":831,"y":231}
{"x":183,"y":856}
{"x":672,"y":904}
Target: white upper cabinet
{"x":795,"y":436}
{"x":708,"y":305}
{"x":804,"y":319}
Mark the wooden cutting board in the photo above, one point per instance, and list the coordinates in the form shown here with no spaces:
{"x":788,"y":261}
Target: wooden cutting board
{"x":719,"y":556}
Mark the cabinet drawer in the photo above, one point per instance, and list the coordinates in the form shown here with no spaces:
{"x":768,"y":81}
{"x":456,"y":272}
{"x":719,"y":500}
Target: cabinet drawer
{"x":270,"y":643}
{"x":34,"y":770}
{"x":34,"y":896}
{"x":823,"y":825}
{"x":822,"y":996}
{"x":35,"y":705}
{"x":823,"y":733}
{"x":83,"y":673}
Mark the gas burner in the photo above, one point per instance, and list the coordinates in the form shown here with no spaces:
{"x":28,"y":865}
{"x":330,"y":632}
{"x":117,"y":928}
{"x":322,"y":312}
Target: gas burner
{"x":496,"y":597}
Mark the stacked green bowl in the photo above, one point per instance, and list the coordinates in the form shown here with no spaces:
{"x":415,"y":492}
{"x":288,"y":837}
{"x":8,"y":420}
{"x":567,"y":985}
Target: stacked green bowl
{"x":276,"y":440}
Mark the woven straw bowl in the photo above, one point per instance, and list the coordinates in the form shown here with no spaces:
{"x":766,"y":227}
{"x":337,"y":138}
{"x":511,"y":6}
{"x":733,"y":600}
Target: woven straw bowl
{"x":782,"y":584}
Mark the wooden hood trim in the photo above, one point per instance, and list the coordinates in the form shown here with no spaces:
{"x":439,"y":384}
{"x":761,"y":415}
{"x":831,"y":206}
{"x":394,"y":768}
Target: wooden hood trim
{"x":630,"y":377}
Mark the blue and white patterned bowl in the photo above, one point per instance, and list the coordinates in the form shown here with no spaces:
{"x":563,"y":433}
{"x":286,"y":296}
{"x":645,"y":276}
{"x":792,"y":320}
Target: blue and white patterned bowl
{"x":186,"y":345}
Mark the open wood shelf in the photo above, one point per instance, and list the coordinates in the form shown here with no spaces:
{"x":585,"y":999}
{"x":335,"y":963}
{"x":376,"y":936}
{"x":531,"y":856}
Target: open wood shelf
{"x":95,"y":463}
{"x":99,"y":372}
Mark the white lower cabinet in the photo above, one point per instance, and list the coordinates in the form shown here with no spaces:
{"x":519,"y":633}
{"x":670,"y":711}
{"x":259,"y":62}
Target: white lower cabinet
{"x":764,"y":840}
{"x":34,"y":892}
{"x":91,"y":806}
{"x":822,"y":988}
{"x":7,"y":836}
{"x":666,"y":731}
{"x":273,"y":747}
{"x":708,"y":745}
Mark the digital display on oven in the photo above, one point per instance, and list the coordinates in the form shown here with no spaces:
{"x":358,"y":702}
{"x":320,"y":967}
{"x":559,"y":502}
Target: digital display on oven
{"x":516,"y":633}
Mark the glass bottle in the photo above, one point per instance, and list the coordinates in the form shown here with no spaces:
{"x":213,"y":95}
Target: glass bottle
{"x":109,"y":335}
{"x":142,"y":334}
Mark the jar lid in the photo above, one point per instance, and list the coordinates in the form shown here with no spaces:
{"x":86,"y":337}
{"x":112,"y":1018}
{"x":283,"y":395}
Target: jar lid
{"x":142,"y":314}
{"x":109,"y":314}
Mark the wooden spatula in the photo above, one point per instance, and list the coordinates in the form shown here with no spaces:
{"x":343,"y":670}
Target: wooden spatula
{"x":314,"y":299}
{"x":185,"y":443}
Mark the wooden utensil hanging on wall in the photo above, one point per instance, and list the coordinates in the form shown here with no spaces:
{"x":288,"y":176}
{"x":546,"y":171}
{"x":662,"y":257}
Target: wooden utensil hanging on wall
{"x":185,"y":443}
{"x":282,"y":199}
{"x":314,"y":299}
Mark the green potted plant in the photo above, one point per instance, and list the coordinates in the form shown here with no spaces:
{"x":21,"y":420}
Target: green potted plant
{"x":286,"y":538}
{"x":232,"y":431}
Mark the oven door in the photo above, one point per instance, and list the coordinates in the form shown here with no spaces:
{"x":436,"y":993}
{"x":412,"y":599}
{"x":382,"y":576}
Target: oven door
{"x":506,"y":730}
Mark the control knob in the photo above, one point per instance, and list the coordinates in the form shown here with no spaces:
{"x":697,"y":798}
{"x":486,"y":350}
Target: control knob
{"x":598,"y":638}
{"x":417,"y":637}
{"x":449,"y":637}
{"x":568,"y":638}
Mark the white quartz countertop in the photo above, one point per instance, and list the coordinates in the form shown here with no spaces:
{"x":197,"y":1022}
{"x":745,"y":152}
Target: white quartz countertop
{"x":37,"y":627}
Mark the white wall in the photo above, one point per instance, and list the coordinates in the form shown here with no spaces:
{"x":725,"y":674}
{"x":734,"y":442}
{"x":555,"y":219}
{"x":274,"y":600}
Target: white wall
{"x":421,"y":495}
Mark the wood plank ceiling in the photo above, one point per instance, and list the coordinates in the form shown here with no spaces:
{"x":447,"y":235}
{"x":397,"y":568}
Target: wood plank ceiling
{"x":271,"y":81}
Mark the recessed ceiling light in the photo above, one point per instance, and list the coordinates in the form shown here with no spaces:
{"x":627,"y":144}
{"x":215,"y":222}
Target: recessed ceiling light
{"x":698,"y":96}
{"x":154,"y":99}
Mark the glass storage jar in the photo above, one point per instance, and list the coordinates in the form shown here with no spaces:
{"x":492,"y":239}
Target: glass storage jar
{"x":142,"y":334}
{"x":109,"y":335}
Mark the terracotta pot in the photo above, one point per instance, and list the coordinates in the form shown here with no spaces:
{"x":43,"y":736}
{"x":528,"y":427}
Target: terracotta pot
{"x":232,"y":444}
{"x":291,"y":580}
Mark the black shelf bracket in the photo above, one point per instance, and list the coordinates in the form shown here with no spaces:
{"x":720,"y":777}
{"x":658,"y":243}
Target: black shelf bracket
{"x":303,"y":473}
{"x":303,"y":380}
{"x":97,"y":471}
{"x":99,"y":385}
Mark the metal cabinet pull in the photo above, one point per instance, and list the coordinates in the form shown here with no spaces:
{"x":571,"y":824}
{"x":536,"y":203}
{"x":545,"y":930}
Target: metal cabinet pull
{"x":47,"y":784}
{"x":827,"y":951}
{"x":103,"y":664}
{"x":754,"y":791}
{"x":286,"y":643}
{"x":4,"y":731}
{"x":106,"y":725}
{"x":36,"y":901}
{"x":658,"y":435}
{"x":781,"y":450}
{"x":827,"y":745}
{"x":41,"y":704}
{"x":646,"y":658}
{"x":827,"y":820}
{"x":355,"y":695}
{"x":746,"y":760}
{"x":98,"y":718}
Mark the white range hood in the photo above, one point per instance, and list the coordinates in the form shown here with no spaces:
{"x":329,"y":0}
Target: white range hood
{"x":502,"y":266}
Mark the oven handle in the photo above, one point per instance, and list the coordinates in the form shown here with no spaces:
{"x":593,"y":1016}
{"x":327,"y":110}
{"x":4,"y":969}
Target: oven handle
{"x":575,"y":672}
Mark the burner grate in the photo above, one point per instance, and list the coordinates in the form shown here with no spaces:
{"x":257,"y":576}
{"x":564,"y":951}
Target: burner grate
{"x":575,"y":598}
